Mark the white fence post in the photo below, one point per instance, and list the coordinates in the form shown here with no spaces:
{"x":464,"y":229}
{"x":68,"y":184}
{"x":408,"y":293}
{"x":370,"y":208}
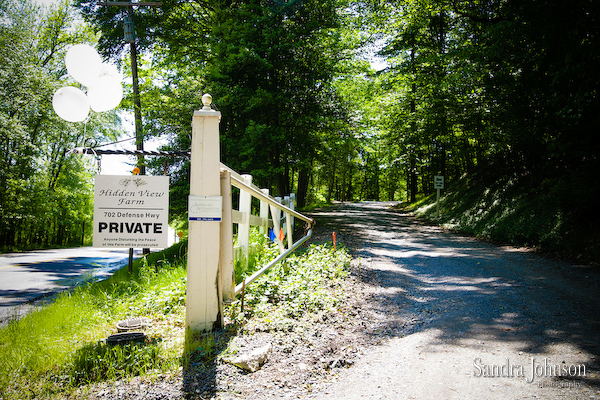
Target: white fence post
{"x":226,"y":269}
{"x":264,"y":213}
{"x":288,"y":223}
{"x":203,"y":301}
{"x":293,"y":207}
{"x":244,"y":227}
{"x":276,"y":214}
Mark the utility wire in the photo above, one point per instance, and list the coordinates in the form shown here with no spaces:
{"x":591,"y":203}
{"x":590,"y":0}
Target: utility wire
{"x":119,"y":141}
{"x":98,"y":152}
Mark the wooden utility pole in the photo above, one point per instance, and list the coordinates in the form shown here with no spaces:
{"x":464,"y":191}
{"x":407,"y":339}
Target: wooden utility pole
{"x":130,"y":38}
{"x":137,"y":104}
{"x":129,"y":31}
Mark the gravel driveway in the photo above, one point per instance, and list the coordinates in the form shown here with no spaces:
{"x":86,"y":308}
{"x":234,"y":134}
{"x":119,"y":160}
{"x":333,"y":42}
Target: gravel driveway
{"x":463,"y":319}
{"x":429,"y":315}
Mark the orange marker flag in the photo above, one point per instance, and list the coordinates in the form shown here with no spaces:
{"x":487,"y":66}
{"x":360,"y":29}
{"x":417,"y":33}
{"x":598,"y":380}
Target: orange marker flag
{"x":281,"y":235}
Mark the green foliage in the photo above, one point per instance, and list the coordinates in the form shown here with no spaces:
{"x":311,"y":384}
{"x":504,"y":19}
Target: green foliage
{"x":148,"y":23}
{"x":467,"y":85}
{"x":61,"y":343}
{"x":270,"y":73}
{"x":306,"y":283}
{"x":46,"y":195}
{"x":463,"y":90}
{"x":260,"y":252}
{"x":550,"y":215}
{"x":476,"y":84}
{"x":268,"y":65}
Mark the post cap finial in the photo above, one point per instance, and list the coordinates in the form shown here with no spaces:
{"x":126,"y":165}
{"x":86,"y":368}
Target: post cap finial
{"x":207,"y":101}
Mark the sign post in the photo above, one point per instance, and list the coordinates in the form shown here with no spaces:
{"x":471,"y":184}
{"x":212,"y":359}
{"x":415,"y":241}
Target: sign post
{"x":438,"y":184}
{"x":203,"y":299}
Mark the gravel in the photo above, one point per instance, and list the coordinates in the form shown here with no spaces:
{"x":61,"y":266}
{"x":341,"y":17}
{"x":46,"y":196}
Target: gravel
{"x":423,"y":306}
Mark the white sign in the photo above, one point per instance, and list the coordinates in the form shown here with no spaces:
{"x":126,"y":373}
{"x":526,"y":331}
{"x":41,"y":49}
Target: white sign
{"x":205,"y":208}
{"x":131,"y":211}
{"x":438,"y":182}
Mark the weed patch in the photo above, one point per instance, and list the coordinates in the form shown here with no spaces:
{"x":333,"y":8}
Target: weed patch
{"x":260,"y":252}
{"x":61,"y":348}
{"x":306,"y":283}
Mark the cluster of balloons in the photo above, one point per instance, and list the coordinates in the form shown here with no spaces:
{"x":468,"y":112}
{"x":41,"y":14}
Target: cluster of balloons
{"x":103,"y":82}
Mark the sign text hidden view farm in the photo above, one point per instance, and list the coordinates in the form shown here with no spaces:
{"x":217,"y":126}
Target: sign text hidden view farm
{"x":131,"y":211}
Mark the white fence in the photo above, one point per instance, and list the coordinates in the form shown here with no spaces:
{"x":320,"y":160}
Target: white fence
{"x":282,"y":214}
{"x":245,"y":219}
{"x":210,"y":270}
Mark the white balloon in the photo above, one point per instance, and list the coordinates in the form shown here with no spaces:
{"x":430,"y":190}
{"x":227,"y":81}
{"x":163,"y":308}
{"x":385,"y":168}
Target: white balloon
{"x":107,"y":69}
{"x":83,"y":63}
{"x":105,"y":94}
{"x":71,"y":104}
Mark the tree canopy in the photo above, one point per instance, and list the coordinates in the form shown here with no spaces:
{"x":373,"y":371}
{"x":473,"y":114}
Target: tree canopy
{"x":46,"y":192}
{"x":466,"y":85}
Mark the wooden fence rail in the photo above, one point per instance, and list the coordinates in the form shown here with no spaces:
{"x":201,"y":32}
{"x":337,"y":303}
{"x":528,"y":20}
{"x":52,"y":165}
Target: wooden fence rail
{"x":245,"y":219}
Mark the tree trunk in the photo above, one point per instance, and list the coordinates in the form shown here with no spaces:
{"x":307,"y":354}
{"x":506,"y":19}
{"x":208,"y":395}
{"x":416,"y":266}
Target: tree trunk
{"x":303,"y":179}
{"x":331,"y":182}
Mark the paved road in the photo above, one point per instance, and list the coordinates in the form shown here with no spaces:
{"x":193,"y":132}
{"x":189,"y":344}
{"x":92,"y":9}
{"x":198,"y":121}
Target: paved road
{"x":465,"y":319}
{"x":25,"y":277}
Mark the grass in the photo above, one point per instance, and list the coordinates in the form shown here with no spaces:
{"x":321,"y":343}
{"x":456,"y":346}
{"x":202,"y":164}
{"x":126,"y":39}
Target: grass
{"x":99,"y":361}
{"x":53,"y":351}
{"x":61,"y":345}
{"x":260,"y":252}
{"x":553,"y":214}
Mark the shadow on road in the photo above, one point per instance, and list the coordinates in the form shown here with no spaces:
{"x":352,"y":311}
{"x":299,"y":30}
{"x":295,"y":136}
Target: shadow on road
{"x":428,"y":278}
{"x":54,"y":275}
{"x":28,"y":277}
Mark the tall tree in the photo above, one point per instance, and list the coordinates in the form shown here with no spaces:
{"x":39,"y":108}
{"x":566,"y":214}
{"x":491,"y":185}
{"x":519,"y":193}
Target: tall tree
{"x":270,"y":67}
{"x":46,"y":191}
{"x":490,"y":81}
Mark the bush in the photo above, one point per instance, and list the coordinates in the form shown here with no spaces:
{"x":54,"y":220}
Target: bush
{"x":554,"y":215}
